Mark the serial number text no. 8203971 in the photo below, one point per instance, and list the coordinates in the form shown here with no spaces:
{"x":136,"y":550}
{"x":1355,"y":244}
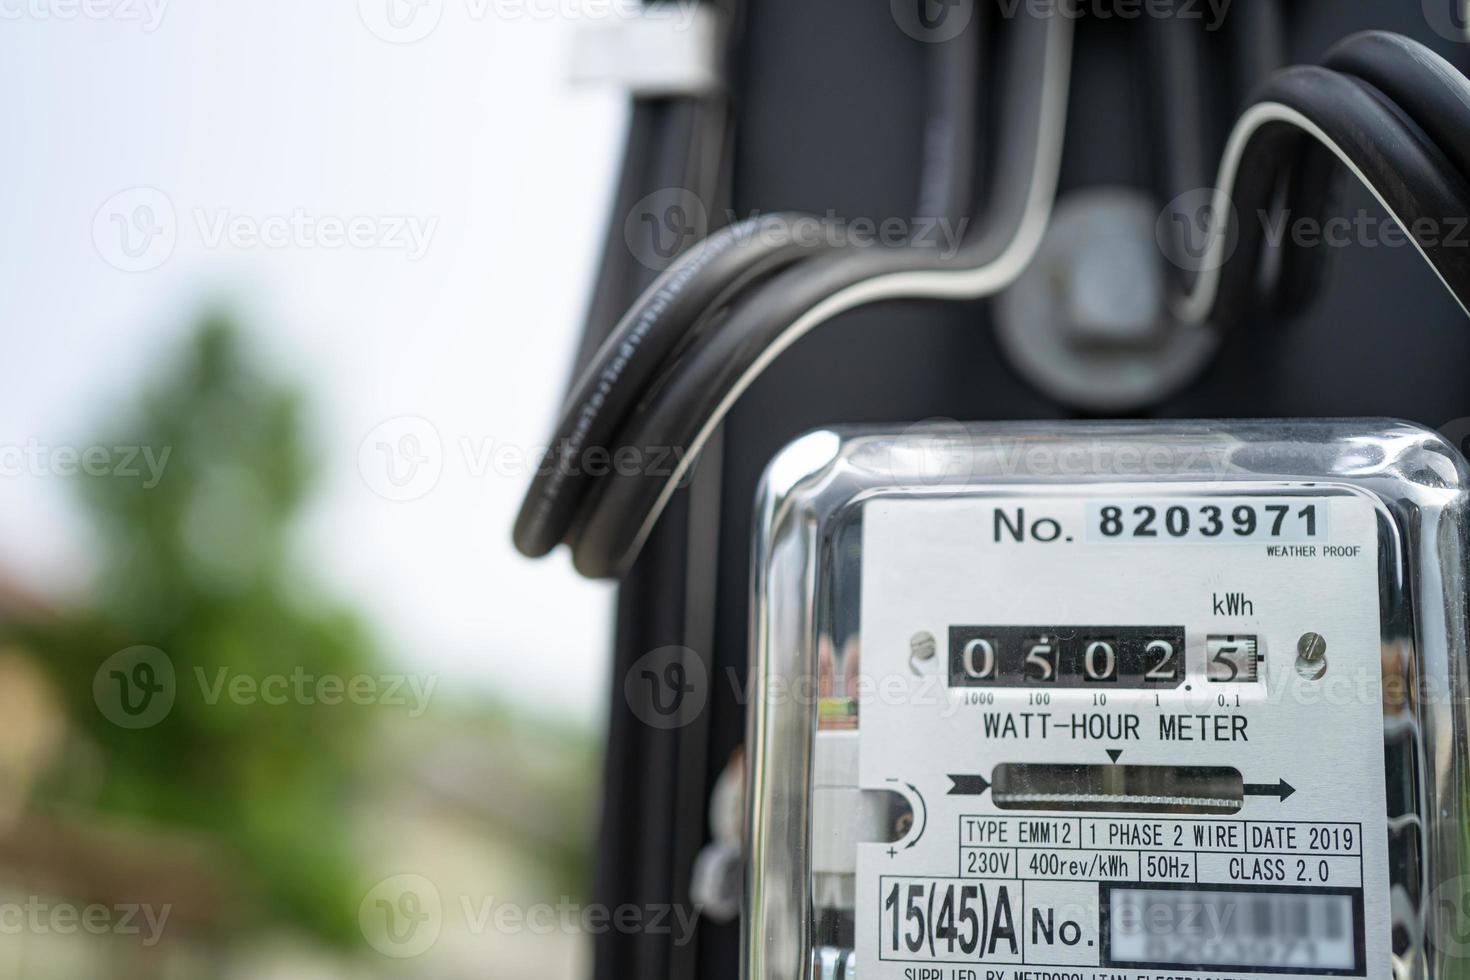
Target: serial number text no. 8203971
{"x":1207,"y":520}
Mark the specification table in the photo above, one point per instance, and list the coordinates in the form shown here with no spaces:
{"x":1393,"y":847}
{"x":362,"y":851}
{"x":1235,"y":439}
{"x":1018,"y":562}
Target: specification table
{"x":1186,"y":851}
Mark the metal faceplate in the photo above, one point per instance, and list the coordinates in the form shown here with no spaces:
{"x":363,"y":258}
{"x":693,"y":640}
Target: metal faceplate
{"x":1110,"y":700}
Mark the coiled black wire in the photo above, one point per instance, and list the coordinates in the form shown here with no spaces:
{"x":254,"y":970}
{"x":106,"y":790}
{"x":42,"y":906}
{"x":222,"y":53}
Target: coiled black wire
{"x":1421,"y":86}
{"x":701,"y":282}
{"x":618,"y":512}
{"x":690,"y":294}
{"x":1376,"y":135}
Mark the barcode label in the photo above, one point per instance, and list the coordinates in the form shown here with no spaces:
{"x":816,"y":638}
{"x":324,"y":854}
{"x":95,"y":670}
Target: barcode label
{"x":1267,"y":930}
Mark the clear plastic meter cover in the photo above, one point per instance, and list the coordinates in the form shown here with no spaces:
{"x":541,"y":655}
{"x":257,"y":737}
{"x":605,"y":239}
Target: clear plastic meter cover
{"x":1035,"y":702}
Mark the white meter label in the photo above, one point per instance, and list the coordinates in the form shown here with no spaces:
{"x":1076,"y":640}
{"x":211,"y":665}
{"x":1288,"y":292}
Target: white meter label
{"x":1132,"y":737}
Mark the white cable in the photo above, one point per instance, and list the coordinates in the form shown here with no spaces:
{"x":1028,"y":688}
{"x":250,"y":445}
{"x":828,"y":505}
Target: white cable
{"x":1196,"y":308}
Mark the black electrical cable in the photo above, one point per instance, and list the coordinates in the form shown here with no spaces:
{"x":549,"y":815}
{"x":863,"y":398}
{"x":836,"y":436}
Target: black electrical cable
{"x":685,"y":403}
{"x":672,"y":311}
{"x":1388,"y":152}
{"x":1314,"y":185}
{"x":703,"y":279}
{"x":1175,"y":48}
{"x":674,"y":141}
{"x":1424,"y":87}
{"x":1420,"y":86}
{"x":664,"y":149}
{"x":951,"y":126}
{"x":1179,"y":81}
{"x":1257,"y":35}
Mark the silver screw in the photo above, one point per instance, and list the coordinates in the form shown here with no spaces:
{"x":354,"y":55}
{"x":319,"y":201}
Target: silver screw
{"x":923,"y":646}
{"x":1311,"y":647}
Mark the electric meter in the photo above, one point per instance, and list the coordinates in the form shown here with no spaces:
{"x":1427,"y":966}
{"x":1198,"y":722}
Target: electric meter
{"x":1148,"y":700}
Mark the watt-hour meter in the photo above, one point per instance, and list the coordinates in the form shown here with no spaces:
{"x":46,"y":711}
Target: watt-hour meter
{"x":1144,"y":701}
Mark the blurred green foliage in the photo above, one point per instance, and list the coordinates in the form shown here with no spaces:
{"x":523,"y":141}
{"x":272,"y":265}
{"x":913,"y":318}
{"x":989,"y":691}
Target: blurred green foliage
{"x":195,"y":537}
{"x":198,"y":564}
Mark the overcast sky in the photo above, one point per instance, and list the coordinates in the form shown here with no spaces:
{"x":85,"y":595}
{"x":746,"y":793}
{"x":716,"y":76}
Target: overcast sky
{"x":405,"y":210}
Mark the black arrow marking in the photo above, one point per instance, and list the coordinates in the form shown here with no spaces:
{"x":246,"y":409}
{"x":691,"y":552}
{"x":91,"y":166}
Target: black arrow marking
{"x":968,"y":785}
{"x":1281,"y":790}
{"x":1114,"y":754}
